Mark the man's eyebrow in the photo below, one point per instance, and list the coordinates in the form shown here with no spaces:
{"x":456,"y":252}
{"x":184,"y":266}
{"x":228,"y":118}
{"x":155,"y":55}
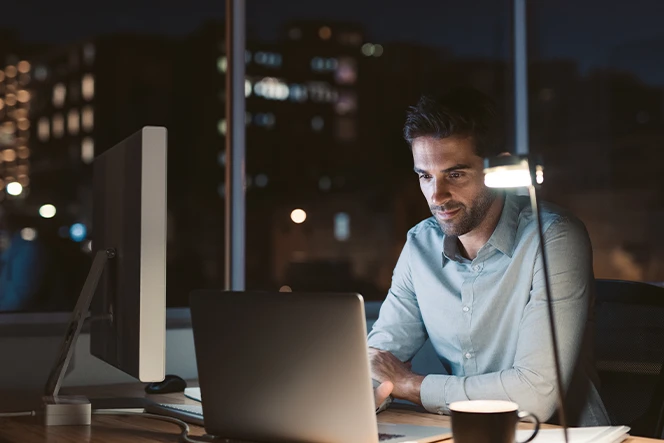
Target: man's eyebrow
{"x":444,"y":171}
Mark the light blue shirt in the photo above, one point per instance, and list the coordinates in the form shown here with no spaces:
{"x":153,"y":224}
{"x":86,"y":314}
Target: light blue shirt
{"x":487,"y":318}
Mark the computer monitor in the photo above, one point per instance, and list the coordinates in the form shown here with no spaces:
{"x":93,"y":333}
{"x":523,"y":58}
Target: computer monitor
{"x":129,"y":216}
{"x":126,"y":287}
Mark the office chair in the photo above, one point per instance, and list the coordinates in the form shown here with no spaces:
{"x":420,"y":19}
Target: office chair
{"x":629,"y":350}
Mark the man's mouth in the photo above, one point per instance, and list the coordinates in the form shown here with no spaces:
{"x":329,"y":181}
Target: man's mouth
{"x":447,"y":214}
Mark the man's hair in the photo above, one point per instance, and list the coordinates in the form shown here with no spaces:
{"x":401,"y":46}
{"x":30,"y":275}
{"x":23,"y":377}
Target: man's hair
{"x":464,"y":112}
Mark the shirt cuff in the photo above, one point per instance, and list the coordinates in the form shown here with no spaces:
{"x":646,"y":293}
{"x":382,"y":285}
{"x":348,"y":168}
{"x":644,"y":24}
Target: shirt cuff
{"x":438,"y":391}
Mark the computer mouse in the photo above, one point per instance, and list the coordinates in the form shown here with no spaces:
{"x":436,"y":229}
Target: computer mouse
{"x":171,"y":383}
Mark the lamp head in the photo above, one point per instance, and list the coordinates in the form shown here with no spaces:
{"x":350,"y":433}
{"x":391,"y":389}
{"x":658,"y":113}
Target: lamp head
{"x":511,"y":171}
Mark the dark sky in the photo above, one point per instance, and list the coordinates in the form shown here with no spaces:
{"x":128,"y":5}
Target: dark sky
{"x":626,"y":34}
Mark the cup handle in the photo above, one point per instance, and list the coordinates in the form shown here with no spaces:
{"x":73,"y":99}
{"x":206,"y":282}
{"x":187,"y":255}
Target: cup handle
{"x":534,"y":420}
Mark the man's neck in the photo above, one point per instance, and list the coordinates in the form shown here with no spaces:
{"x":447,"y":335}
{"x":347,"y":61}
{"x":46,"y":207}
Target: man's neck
{"x":470,"y":243}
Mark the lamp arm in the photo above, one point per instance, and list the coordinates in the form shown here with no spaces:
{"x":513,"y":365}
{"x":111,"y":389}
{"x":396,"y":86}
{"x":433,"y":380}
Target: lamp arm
{"x":549,"y":303}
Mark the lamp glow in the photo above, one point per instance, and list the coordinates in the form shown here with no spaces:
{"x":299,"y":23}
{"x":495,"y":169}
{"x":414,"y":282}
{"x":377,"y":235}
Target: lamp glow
{"x":47,"y":211}
{"x":298,"y":216}
{"x":510,"y":172}
{"x":503,"y":177}
{"x":14,"y":188}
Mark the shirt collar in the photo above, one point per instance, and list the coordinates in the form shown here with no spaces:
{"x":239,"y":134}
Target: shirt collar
{"x":503,"y":237}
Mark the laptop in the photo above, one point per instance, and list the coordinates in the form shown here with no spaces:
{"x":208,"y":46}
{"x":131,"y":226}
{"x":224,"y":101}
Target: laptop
{"x":276,"y":367}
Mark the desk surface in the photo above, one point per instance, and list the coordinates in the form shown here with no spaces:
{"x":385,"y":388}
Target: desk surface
{"x":121,"y":429}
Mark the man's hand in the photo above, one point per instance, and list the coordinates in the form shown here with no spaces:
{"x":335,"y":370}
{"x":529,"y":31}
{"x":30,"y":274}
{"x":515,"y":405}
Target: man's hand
{"x":385,"y":367}
{"x":382,"y":392}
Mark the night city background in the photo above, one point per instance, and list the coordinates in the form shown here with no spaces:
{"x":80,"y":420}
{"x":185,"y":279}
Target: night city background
{"x":327,"y":87}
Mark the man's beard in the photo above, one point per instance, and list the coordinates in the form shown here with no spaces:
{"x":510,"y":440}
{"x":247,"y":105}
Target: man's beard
{"x":466,"y":219}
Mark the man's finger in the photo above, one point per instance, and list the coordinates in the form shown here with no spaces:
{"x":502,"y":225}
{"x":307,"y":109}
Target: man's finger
{"x":382,"y":392}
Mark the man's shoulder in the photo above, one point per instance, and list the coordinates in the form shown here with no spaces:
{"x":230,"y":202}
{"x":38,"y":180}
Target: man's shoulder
{"x":554,"y":218}
{"x":427,"y":226}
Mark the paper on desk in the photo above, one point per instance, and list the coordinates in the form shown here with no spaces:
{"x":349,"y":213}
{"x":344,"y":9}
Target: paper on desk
{"x":596,"y":434}
{"x":193,"y":393}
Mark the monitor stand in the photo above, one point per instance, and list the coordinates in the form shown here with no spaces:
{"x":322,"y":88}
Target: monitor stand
{"x":64,"y":409}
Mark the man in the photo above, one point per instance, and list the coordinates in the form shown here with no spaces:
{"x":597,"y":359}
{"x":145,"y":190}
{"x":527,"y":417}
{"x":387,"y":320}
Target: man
{"x":470,"y":278}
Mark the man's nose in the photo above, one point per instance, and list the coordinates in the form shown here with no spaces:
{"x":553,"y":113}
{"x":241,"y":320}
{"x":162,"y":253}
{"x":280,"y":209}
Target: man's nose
{"x":441,"y":193}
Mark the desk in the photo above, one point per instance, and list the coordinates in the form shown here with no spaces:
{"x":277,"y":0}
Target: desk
{"x":123,"y":429}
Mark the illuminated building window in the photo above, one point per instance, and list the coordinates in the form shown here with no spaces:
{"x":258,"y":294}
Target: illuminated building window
{"x":2,"y":76}
{"x":10,"y":99}
{"x":10,"y":71}
{"x":87,"y":150}
{"x":73,"y":122}
{"x":23,"y":96}
{"x":59,"y":94}
{"x":268,"y":59}
{"x":88,"y":87}
{"x":341,"y":226}
{"x":346,"y":103}
{"x":221,"y":126}
{"x":271,"y":89}
{"x":378,"y":50}
{"x":89,"y":53}
{"x":247,"y":88}
{"x":317,"y":123}
{"x":23,"y":67}
{"x":43,"y":129}
{"x":88,"y":119}
{"x":23,"y":124}
{"x":325,"y":33}
{"x":322,"y":92}
{"x":298,"y":93}
{"x":367,"y":49}
{"x":295,"y":33}
{"x":9,"y":155}
{"x":346,"y":71}
{"x":266,"y":120}
{"x":2,"y":103}
{"x":58,"y":125}
{"x":222,"y":64}
{"x":321,"y":64}
{"x":24,"y":79}
{"x":23,"y":152}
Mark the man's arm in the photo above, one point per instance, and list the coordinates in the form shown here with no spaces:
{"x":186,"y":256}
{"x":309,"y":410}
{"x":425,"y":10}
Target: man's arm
{"x":399,"y":328}
{"x":531,"y":382}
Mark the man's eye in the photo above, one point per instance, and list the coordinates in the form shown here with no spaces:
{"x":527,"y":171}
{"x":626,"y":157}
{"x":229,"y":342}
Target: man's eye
{"x":424,"y":176}
{"x":456,"y":175}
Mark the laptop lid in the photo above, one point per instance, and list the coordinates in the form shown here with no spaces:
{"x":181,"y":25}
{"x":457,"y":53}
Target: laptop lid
{"x":283,"y":366}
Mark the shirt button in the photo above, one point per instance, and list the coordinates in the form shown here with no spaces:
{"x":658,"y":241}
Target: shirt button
{"x":468,"y":355}
{"x":466,"y":309}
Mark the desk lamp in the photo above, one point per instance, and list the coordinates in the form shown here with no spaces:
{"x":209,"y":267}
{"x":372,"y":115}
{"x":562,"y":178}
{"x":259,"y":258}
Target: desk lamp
{"x":508,"y":171}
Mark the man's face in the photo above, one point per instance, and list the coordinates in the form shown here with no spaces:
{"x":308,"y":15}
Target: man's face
{"x":452,"y":180}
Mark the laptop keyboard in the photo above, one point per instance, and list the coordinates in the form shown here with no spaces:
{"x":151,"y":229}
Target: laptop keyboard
{"x":386,"y":437}
{"x":185,"y":412}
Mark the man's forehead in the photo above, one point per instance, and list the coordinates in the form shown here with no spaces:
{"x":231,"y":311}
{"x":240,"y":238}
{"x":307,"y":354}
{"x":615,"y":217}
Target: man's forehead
{"x":450,"y":150}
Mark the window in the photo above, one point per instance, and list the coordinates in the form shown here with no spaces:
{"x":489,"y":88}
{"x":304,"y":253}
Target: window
{"x":88,"y":87}
{"x":58,"y":126}
{"x":59,"y":95}
{"x":73,"y":122}
{"x":88,"y":119}
{"x":87,"y":150}
{"x":43,"y":129}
